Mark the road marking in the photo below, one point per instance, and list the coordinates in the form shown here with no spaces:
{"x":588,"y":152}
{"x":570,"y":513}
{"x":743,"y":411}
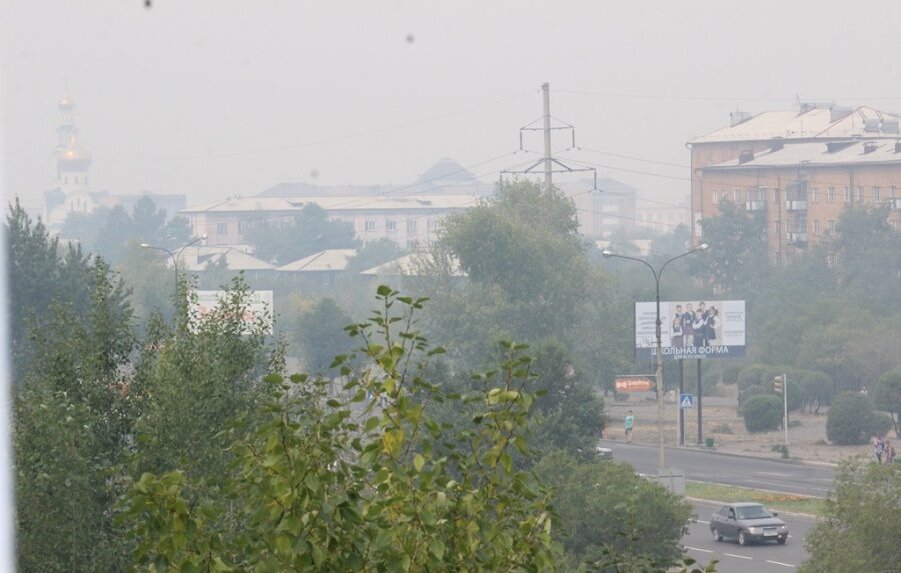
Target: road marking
{"x":783,"y":564}
{"x":739,"y":556}
{"x":704,"y":522}
{"x":698,"y":549}
{"x":782,"y":475}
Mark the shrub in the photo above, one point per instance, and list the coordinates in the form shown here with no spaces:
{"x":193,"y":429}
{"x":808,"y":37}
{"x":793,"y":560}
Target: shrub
{"x":762,"y":412}
{"x":880,"y":424}
{"x":850,"y":419}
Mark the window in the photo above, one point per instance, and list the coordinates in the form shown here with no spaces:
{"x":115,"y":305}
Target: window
{"x":724,"y":195}
{"x":894,"y":190}
{"x":877,"y":193}
{"x":411,"y":225}
{"x":847,"y":194}
{"x":221,"y":228}
{"x":830,"y":195}
{"x":243,"y":226}
{"x":391,"y":226}
{"x":860,"y":193}
{"x":713,"y":197}
{"x":736,"y":194}
{"x":831,"y":226}
{"x":812,"y":194}
{"x":775,"y":195}
{"x":816,"y":226}
{"x":432,"y":224}
{"x":369,"y":226}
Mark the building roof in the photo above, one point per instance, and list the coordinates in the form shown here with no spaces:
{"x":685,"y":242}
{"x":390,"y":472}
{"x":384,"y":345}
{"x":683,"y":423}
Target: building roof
{"x":237,"y":258}
{"x":836,"y":153}
{"x":810,"y":123}
{"x":323,"y":261}
{"x":409,"y":265}
{"x":335,"y":203}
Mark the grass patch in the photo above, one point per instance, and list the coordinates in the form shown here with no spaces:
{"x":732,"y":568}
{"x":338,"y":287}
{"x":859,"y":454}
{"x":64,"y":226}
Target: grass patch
{"x":775,"y":501}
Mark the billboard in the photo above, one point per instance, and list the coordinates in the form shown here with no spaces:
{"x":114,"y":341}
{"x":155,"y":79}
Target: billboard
{"x":691,"y":329}
{"x":259,"y":304}
{"x":635,"y":383}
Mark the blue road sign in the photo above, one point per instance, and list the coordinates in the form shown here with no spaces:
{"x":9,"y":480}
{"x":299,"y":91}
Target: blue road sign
{"x":686,"y":400}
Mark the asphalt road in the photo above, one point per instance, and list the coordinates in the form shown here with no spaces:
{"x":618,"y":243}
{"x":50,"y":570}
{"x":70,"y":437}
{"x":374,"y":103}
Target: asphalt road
{"x":708,"y":466}
{"x":759,"y":558}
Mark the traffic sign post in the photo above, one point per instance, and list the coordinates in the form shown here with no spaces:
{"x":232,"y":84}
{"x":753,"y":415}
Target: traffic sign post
{"x":686,"y":401}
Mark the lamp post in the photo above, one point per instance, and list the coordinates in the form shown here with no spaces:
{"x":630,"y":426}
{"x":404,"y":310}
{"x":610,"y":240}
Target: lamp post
{"x":175,"y":256}
{"x":661,"y":453}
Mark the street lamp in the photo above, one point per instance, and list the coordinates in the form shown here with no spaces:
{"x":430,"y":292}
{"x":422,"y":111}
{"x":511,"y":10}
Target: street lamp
{"x":661,"y":454}
{"x":175,"y":256}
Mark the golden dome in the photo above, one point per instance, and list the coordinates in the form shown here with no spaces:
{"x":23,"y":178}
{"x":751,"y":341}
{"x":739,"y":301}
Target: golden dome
{"x":74,"y":157}
{"x":66,"y":104}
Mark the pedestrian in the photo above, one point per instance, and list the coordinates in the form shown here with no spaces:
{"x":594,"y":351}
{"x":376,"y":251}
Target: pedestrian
{"x":630,"y":422}
{"x":888,"y":456}
{"x":878,"y":448}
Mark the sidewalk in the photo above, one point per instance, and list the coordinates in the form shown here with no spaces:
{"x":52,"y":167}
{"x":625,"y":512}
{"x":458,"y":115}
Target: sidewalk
{"x":722,"y":423}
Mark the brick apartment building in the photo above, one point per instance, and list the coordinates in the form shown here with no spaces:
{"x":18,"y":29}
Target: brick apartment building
{"x":800,"y":167}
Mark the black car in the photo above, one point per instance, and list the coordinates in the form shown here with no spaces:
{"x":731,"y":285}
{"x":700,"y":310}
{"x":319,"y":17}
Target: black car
{"x":747,"y":522}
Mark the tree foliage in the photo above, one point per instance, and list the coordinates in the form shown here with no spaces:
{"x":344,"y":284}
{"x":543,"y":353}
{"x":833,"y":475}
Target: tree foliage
{"x":71,"y":416}
{"x":309,"y":231}
{"x":850,"y":419}
{"x":316,"y":487}
{"x":606,"y":505}
{"x":887,"y":395}
{"x":762,"y":412}
{"x":858,"y":530}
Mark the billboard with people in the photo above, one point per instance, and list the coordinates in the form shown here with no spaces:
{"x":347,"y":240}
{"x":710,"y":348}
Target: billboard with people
{"x":691,"y":329}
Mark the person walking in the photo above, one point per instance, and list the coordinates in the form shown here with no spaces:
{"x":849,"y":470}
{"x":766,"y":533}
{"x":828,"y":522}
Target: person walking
{"x":888,"y":455}
{"x":630,"y":422}
{"x":878,"y":448}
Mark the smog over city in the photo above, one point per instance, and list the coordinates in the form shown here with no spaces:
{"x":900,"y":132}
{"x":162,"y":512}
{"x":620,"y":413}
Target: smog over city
{"x":367,"y":285}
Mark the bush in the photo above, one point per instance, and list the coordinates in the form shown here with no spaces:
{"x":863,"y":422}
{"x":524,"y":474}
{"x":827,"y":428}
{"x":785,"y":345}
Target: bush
{"x":851,"y":419}
{"x":880,"y":424}
{"x":762,"y":413}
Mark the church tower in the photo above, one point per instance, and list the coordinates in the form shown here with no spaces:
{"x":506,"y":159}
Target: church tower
{"x":72,"y":164}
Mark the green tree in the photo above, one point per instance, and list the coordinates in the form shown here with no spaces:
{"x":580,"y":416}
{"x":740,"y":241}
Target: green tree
{"x":320,"y":334}
{"x":309,"y":231}
{"x":523,"y":247}
{"x":858,"y":530}
{"x":737,"y":260}
{"x":71,"y":418}
{"x":315,"y":489}
{"x":850,"y":419}
{"x":192,"y":382}
{"x":375,"y":253}
{"x":762,"y":412}
{"x":887,"y":395}
{"x":607,"y":505}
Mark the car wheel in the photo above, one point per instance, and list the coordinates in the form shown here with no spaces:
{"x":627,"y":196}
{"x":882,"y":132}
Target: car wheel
{"x":742,"y":540}
{"x":782,"y":540}
{"x":716,"y":534}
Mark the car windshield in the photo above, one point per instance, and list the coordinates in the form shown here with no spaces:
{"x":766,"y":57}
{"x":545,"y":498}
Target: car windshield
{"x":752,"y":512}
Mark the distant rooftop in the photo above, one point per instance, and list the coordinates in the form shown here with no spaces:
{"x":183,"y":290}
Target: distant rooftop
{"x":857,"y":152}
{"x":336,"y":203}
{"x":810,"y":122}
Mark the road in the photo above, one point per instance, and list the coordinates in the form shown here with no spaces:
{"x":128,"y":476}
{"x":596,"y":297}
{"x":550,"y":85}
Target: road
{"x":706,"y":466}
{"x":733,"y":558}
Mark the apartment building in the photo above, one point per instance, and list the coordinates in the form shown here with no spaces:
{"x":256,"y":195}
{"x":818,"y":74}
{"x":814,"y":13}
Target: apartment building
{"x":801,"y":167}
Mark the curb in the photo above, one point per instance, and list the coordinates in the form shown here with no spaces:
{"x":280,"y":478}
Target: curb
{"x":781,"y":512}
{"x":793,"y":461}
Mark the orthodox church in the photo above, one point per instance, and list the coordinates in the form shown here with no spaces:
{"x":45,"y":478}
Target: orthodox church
{"x":72,"y":192}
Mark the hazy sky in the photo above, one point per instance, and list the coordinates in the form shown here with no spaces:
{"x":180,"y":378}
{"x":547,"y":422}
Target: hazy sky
{"x":217,"y":98}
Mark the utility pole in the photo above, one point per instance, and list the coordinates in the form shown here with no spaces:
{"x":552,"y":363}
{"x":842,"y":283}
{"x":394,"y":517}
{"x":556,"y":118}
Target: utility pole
{"x":548,"y":160}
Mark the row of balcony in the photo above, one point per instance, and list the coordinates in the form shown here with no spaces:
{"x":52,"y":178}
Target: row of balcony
{"x":894,"y":204}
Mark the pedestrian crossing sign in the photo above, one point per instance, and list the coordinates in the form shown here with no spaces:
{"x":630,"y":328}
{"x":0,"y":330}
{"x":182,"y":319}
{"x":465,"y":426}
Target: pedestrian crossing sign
{"x":686,"y":400}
